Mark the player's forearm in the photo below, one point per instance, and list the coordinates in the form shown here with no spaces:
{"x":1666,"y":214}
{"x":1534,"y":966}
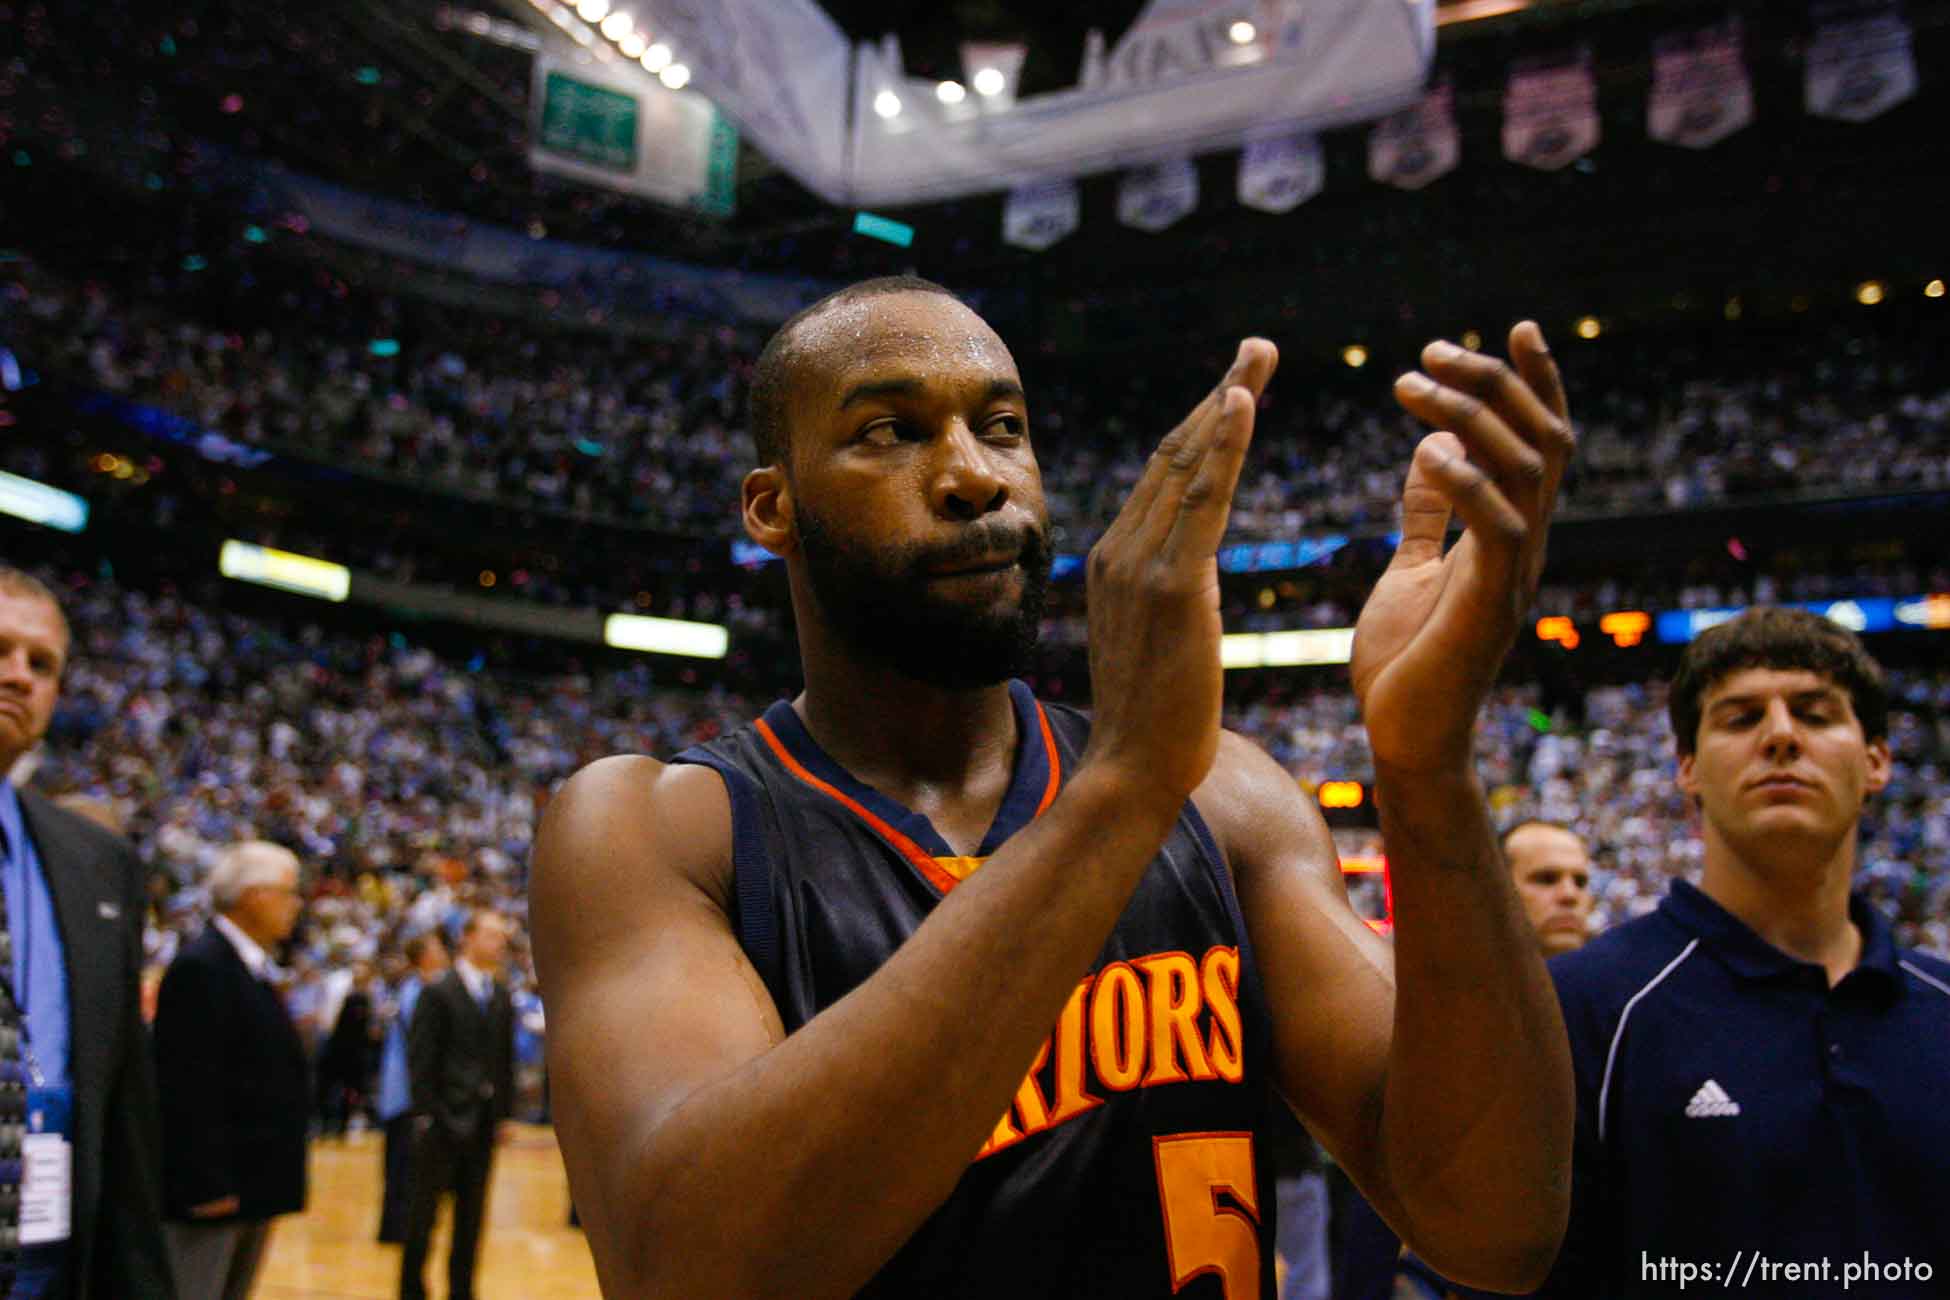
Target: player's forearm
{"x":821,"y":1157}
{"x":1477,"y":1116}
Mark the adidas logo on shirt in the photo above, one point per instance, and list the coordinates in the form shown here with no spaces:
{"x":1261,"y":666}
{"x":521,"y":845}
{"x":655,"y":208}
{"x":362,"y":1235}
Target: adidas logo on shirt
{"x":1711,"y":1101}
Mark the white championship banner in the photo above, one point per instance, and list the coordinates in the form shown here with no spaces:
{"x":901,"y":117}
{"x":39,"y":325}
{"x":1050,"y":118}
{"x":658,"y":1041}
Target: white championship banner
{"x":1861,"y":66}
{"x":1550,"y":112}
{"x":1161,"y":195}
{"x":1701,"y":93}
{"x":1036,"y":216}
{"x":1279,"y":173}
{"x":1418,"y":145}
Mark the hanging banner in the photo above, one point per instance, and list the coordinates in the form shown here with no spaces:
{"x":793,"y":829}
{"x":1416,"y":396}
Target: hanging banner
{"x":1860,"y":63}
{"x":780,"y":68}
{"x":1037,"y":216}
{"x":1417,"y":145}
{"x":1279,"y":173}
{"x":1174,"y":85}
{"x":1152,"y":198}
{"x":1701,"y":93}
{"x":1550,"y":112}
{"x":620,"y":130}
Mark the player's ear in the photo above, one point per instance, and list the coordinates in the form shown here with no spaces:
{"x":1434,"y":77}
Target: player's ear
{"x":768,"y":510}
{"x":1878,"y":767}
{"x":1688,"y":777}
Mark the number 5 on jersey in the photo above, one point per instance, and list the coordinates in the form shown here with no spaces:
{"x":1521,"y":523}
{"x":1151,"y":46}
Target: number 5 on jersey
{"x":1203,"y":1234}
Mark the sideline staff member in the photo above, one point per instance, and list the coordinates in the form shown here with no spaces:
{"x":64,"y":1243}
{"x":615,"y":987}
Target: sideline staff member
{"x":1761,"y":1070}
{"x":73,"y":921}
{"x":1552,"y":870}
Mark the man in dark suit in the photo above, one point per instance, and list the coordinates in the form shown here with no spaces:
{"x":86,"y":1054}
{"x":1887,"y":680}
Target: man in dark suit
{"x":460,"y":1059}
{"x":70,"y":1018}
{"x":233,"y":1075}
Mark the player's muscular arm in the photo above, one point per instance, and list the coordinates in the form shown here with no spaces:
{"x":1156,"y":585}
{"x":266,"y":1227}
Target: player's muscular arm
{"x":712,"y":1155}
{"x":1331,"y":983}
{"x":1473,"y":1134}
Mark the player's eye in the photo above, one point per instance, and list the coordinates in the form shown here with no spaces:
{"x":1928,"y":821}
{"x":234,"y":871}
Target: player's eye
{"x":887,"y":433}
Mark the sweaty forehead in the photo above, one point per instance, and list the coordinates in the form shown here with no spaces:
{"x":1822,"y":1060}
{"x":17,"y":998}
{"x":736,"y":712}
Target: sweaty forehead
{"x":922,"y":336}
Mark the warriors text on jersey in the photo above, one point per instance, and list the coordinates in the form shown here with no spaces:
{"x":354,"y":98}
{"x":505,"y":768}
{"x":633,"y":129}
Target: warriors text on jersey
{"x":1125,"y":1166}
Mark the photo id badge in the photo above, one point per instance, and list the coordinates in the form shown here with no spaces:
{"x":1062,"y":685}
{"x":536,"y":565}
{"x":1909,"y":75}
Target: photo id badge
{"x":47,"y":1166}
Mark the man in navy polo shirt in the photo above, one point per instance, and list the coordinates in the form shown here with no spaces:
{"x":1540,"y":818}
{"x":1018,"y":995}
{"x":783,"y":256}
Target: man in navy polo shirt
{"x":1763,"y":1075}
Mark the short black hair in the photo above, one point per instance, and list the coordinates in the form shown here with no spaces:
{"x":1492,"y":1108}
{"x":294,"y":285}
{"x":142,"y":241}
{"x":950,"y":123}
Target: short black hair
{"x":772,"y":376}
{"x":1770,"y":636}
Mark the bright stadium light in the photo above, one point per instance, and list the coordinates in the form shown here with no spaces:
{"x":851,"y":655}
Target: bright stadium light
{"x":1242,"y":32}
{"x":1355,"y":355}
{"x":282,"y":569}
{"x":990,"y":81}
{"x":1934,"y":289}
{"x":668,"y":636}
{"x":1589,"y":327}
{"x":633,"y":45}
{"x":593,"y":11}
{"x":37,"y":503}
{"x":887,"y":104}
{"x":1869,"y":292}
{"x":1326,"y":645}
{"x":676,"y":76}
{"x":950,"y":92}
{"x":618,"y":25}
{"x":657,"y":57}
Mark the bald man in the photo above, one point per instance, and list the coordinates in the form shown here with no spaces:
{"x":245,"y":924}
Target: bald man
{"x":1552,"y":871}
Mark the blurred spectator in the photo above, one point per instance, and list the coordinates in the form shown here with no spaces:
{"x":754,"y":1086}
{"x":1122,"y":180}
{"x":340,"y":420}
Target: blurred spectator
{"x":654,"y":432}
{"x":233,"y":1078}
{"x":426,"y":956}
{"x":460,"y":1058}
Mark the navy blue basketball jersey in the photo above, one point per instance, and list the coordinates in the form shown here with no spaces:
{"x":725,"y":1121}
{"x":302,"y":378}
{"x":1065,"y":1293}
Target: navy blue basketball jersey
{"x":1125,"y":1167}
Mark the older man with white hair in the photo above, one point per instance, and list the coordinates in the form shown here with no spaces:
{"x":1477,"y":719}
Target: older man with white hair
{"x":233,"y":1076}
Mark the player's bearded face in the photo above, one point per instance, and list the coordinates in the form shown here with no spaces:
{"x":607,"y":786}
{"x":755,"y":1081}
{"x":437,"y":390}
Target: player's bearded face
{"x":887,"y":603}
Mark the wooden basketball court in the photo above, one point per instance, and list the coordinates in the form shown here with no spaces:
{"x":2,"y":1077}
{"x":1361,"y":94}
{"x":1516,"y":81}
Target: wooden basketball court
{"x":528,"y":1251}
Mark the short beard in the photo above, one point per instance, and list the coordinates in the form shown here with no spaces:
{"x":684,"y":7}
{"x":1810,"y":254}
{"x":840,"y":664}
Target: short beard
{"x":882,"y":605}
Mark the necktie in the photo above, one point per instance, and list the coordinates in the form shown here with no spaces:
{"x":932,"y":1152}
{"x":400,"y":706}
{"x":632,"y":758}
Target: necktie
{"x":13,"y":1092}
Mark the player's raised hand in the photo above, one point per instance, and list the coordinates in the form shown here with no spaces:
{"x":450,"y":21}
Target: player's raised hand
{"x":1435,"y":630}
{"x":1154,"y":592}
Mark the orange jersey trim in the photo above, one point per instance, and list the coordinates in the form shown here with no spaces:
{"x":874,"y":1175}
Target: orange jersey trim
{"x":922,"y":860}
{"x":943,"y":873}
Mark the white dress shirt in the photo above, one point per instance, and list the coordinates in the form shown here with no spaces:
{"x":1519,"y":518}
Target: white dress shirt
{"x":256,"y":960}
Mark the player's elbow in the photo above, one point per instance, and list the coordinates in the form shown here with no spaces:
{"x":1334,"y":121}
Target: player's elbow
{"x":1513,"y":1259}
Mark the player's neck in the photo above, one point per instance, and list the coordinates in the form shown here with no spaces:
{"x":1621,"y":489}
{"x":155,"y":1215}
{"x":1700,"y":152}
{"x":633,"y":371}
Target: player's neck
{"x":1794,"y":896}
{"x":898,"y":734}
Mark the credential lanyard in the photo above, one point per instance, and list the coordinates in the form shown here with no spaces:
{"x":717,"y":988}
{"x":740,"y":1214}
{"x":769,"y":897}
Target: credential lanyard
{"x":23,"y":934}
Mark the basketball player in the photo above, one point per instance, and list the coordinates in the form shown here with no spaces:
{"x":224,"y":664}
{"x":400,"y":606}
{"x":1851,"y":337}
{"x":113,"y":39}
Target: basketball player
{"x":920,"y":987}
{"x":1761,"y":1067}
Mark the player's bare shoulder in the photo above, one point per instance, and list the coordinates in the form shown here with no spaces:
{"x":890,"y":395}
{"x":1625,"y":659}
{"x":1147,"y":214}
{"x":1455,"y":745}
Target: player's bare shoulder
{"x":622,"y":834}
{"x":1258,"y":813}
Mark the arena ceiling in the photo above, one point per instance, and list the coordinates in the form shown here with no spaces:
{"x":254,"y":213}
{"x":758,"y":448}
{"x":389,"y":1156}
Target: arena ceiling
{"x":386,"y":97}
